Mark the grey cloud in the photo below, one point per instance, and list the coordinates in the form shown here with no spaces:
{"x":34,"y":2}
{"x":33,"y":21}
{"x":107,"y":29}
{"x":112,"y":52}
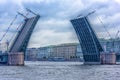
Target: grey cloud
{"x":55,"y":16}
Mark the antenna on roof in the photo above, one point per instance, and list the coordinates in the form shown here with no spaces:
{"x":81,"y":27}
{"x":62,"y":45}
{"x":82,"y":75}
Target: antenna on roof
{"x":30,"y":11}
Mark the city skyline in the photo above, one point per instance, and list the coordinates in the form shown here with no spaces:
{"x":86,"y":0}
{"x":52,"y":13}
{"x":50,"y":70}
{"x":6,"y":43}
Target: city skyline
{"x":54,"y":26}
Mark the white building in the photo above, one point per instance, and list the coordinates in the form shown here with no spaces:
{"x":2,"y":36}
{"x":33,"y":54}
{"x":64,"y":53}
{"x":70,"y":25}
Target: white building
{"x":3,"y":47}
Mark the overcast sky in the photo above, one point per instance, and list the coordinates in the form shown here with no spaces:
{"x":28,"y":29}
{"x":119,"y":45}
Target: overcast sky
{"x":54,"y":26}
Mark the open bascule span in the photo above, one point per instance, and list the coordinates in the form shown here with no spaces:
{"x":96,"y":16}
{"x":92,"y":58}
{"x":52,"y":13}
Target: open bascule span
{"x":16,"y":51}
{"x":93,"y":52}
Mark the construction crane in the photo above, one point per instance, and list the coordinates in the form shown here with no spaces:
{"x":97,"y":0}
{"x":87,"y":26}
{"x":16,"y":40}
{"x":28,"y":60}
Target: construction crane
{"x":113,"y":46}
{"x":113,"y":39}
{"x":105,"y":29}
{"x":104,"y":26}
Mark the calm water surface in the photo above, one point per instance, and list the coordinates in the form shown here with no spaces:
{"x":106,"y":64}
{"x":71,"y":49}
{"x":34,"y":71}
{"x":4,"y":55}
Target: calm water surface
{"x":60,"y":71}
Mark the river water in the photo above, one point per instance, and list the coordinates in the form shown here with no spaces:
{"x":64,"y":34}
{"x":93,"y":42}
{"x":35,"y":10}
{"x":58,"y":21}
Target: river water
{"x":59,"y":71}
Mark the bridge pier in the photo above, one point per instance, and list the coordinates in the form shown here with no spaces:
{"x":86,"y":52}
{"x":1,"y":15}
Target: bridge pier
{"x":16,"y":59}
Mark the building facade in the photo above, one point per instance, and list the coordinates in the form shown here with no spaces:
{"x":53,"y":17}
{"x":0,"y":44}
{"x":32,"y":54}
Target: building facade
{"x":31,"y":54}
{"x":63,"y":52}
{"x":43,"y":53}
{"x":4,"y":47}
{"x":71,"y":51}
{"x":111,"y":45}
{"x":79,"y":53}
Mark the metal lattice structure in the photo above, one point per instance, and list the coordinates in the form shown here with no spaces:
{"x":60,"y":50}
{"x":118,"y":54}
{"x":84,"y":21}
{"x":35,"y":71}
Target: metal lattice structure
{"x":90,"y":45}
{"x":21,"y":41}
